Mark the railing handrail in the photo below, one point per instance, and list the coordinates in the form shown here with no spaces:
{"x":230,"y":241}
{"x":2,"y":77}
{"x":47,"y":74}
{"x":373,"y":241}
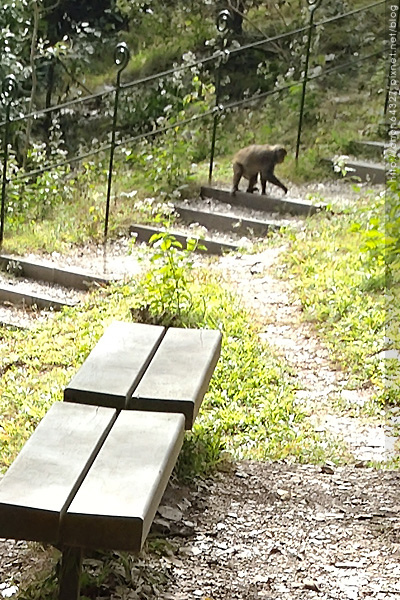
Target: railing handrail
{"x":210,"y":112}
{"x":121,"y":58}
{"x":128,"y":85}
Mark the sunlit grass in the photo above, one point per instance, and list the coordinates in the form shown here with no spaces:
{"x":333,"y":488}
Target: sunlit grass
{"x":248,"y":411}
{"x":339,"y":277}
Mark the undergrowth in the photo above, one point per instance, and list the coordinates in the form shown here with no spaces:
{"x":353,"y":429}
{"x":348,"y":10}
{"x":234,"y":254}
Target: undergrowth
{"x":345,"y":270}
{"x":249,"y":410}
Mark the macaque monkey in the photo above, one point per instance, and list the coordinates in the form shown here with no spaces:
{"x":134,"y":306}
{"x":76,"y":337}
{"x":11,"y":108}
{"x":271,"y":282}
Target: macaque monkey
{"x":252,"y":160}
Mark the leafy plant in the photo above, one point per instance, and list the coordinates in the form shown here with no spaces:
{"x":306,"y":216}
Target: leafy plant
{"x":379,"y":234}
{"x":164,"y":294}
{"x":202,"y":452}
{"x":340,"y":165}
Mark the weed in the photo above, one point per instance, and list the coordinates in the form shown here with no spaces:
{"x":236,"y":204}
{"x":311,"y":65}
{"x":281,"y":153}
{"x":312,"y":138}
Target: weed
{"x":201,"y":453}
{"x":164,"y":295}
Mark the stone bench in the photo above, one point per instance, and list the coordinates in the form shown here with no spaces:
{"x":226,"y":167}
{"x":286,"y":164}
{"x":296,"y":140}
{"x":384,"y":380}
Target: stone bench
{"x":92,"y":474}
{"x":147,"y":367}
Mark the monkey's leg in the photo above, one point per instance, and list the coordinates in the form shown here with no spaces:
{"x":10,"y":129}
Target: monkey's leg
{"x":252,"y":183}
{"x":272,"y":179}
{"x":237,"y":175}
{"x":263,"y":183}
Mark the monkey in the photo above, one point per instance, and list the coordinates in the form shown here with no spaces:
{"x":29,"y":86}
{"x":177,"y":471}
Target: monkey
{"x":252,"y":160}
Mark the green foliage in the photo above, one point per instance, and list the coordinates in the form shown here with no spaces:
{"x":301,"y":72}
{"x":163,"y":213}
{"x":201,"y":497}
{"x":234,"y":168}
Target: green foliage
{"x":51,"y":44}
{"x":164,"y":295}
{"x":379,"y":242}
{"x":344,"y":273}
{"x":391,"y":371}
{"x":169,"y":161}
{"x":52,"y":210}
{"x":15,"y":24}
{"x":202,"y":452}
{"x":174,"y":103}
{"x":34,"y":191}
{"x":43,"y":587}
{"x":166,"y":163}
{"x":392,"y":223}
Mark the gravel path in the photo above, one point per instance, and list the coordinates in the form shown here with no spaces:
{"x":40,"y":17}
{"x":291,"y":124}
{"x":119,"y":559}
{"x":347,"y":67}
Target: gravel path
{"x":117,"y":261}
{"x":320,"y":382}
{"x":256,"y":531}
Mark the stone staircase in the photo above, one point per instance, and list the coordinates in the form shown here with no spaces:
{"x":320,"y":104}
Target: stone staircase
{"x":224,"y":222}
{"x":371,"y":168}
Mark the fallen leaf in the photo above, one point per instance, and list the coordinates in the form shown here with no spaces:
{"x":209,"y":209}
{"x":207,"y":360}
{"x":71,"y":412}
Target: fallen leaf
{"x":170,"y":513}
{"x":327,"y":469}
{"x":348,"y":564}
{"x":310,"y":584}
{"x":283,"y":494}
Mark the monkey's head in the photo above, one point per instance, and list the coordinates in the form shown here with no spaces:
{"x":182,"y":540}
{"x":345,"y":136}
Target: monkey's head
{"x":279,"y":154}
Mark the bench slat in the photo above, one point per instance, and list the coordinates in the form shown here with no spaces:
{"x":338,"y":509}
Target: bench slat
{"x":178,"y":376}
{"x":115,"y":506}
{"x":39,"y":485}
{"x":115,"y":365}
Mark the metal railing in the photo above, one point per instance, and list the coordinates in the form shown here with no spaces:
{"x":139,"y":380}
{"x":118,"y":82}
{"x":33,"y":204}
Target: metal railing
{"x":217,"y":60}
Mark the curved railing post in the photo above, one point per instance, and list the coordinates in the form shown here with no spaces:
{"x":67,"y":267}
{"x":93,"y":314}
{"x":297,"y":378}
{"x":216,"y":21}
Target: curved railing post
{"x":313,"y":5}
{"x":9,"y":90}
{"x":121,"y":59}
{"x":224,"y":25}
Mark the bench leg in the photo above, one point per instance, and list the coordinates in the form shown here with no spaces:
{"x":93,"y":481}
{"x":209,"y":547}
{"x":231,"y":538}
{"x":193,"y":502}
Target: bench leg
{"x":69,"y":579}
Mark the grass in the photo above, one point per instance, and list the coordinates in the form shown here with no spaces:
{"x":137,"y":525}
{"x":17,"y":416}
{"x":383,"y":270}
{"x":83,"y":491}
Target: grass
{"x":340,"y":279}
{"x":249,"y":410}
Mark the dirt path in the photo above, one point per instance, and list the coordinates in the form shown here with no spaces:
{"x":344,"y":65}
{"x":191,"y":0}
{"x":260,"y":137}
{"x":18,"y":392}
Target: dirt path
{"x":321,"y":383}
{"x":286,"y":532}
{"x":259,"y":531}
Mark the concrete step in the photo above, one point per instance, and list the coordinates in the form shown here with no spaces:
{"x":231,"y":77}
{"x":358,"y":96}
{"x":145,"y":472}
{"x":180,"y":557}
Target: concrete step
{"x":371,"y":172}
{"x":8,"y":294}
{"x":369,"y":148}
{"x":225,"y":223}
{"x":40,"y":272}
{"x":143,"y":233}
{"x":263,"y":203}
